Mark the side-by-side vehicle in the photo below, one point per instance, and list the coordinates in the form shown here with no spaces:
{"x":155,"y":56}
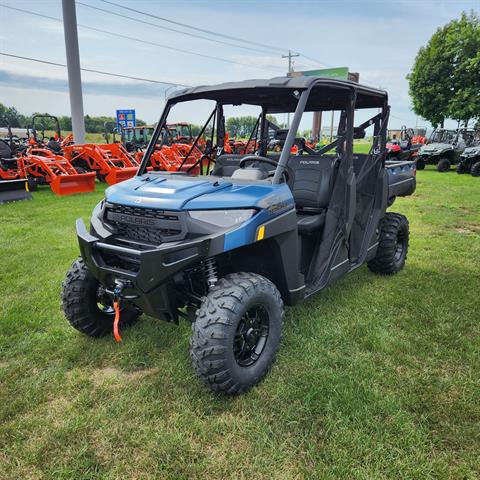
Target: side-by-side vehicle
{"x":229,"y":248}
{"x":444,"y":148}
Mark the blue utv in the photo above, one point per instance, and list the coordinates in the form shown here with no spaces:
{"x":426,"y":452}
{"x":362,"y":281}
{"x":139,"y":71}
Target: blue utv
{"x":228,"y":249}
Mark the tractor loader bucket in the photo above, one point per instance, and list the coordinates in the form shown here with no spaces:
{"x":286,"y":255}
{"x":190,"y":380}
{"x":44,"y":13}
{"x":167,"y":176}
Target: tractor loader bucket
{"x":118,"y":175}
{"x":73,"y":183}
{"x":14,"y":190}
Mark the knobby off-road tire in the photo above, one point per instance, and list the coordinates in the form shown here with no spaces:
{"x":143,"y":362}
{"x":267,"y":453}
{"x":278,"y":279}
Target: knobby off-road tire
{"x":420,"y":164}
{"x":393,"y":245}
{"x":86,"y":309}
{"x":443,"y":165}
{"x":237,"y":332}
{"x":475,"y":171}
{"x":461,"y":168}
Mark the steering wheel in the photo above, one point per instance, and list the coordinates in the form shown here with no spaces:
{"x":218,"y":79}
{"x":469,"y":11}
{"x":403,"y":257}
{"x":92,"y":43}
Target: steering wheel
{"x":255,"y":158}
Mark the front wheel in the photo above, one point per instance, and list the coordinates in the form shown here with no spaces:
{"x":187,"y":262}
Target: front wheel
{"x":461,"y":168}
{"x":86,"y":305}
{"x":237,"y":332}
{"x":475,"y":171}
{"x":443,"y":165}
{"x":392,"y":245}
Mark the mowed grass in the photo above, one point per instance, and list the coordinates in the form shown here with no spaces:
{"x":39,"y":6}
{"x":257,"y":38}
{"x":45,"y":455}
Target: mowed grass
{"x":376,"y":377}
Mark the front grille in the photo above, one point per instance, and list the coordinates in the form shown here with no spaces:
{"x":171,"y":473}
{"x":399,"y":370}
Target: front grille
{"x":146,"y":225}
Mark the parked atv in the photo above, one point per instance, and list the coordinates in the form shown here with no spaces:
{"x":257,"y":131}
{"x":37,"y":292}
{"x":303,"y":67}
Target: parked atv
{"x":226,"y":250}
{"x":443,"y":148}
{"x":404,"y":148}
{"x":470,"y":158}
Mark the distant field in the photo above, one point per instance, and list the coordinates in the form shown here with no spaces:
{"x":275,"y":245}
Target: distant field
{"x":376,"y":378}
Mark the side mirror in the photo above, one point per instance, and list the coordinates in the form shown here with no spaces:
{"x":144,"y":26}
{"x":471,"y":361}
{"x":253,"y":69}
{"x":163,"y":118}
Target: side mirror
{"x":358,"y":133}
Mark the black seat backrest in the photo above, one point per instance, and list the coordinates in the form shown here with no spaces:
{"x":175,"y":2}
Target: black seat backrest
{"x":54,"y":146}
{"x":226,"y":164}
{"x":311,"y":180}
{"x":5,"y":150}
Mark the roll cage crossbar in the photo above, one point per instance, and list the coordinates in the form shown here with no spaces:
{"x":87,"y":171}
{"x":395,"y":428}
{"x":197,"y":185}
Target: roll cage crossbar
{"x":283,"y":94}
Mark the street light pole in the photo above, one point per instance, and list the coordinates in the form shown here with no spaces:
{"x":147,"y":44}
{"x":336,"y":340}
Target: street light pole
{"x":73,"y":67}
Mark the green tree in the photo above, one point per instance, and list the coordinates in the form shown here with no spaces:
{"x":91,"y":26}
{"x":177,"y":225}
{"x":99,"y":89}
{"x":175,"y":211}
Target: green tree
{"x":445,"y":78}
{"x":240,"y":127}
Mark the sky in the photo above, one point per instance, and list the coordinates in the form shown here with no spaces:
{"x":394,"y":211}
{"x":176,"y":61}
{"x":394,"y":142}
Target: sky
{"x":379,"y":39}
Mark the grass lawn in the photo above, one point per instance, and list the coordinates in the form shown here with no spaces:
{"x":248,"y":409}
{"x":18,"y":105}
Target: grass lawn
{"x":376,"y":377}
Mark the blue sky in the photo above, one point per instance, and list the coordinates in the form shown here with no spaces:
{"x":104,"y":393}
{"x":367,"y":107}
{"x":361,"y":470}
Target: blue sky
{"x":377,"y":38}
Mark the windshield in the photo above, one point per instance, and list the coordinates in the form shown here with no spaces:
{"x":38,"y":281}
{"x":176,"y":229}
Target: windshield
{"x":138,"y":134}
{"x":443,"y":136}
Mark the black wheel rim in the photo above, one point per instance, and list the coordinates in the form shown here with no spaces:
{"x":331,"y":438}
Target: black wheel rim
{"x":400,"y":246}
{"x":251,"y":335}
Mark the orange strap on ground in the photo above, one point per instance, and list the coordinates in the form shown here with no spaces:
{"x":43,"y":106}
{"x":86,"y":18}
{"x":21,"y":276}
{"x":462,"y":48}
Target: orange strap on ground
{"x":116,"y":333}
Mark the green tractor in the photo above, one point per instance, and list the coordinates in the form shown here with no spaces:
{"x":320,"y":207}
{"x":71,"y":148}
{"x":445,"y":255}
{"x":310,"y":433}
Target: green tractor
{"x":444,"y":148}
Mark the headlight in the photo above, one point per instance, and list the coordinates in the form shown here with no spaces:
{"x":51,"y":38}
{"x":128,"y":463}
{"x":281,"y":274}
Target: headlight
{"x":223,"y":218}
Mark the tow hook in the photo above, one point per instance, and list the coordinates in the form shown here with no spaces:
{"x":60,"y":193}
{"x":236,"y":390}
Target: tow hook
{"x":117,"y":292}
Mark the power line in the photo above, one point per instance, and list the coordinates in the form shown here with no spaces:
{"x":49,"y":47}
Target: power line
{"x":210,"y":32}
{"x":111,"y":74}
{"x":315,"y":61}
{"x":147,"y":42}
{"x":174,"y":30}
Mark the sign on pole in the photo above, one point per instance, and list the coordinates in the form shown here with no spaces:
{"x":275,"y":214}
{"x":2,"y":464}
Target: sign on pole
{"x":125,"y":118}
{"x":339,"y":73}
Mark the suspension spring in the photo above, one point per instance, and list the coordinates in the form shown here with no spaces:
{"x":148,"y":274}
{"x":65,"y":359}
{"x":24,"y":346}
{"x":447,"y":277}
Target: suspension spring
{"x":211,"y":272}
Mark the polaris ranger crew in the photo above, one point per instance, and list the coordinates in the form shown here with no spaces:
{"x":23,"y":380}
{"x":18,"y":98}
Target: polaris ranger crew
{"x":228,"y":249}
{"x":470,"y":158}
{"x":444,"y":148}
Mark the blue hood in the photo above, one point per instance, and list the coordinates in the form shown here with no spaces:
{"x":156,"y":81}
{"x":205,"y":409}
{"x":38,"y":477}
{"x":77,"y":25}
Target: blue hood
{"x":194,"y":193}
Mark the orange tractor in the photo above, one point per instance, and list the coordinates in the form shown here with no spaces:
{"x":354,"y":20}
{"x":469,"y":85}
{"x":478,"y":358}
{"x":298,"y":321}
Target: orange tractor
{"x":111,"y":163}
{"x":13,"y":179}
{"x":174,"y":152}
{"x":43,"y":164}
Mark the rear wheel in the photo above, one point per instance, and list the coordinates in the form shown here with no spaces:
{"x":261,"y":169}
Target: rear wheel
{"x":420,"y":164}
{"x":237,"y":333}
{"x":475,"y":171}
{"x":86,"y":305}
{"x":393,"y":245}
{"x":461,"y":168}
{"x":443,"y":165}
{"x":32,"y":185}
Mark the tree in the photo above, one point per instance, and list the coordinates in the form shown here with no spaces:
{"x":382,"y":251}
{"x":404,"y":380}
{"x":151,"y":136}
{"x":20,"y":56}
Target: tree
{"x":465,"y":104}
{"x":445,"y":78}
{"x":242,"y":127}
{"x":92,"y":124}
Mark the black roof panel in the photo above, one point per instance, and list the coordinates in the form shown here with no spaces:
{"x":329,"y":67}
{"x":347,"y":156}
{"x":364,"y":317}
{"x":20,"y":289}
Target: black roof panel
{"x":276,"y":94}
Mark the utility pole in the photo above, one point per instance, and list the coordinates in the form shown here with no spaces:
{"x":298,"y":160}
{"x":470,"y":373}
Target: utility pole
{"x":73,"y":67}
{"x":290,"y":70}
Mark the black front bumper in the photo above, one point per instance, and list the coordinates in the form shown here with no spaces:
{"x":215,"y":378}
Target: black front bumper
{"x":149,"y":282}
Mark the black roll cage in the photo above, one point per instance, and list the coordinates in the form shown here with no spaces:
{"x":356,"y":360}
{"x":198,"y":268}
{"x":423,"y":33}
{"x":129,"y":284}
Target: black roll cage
{"x":346,"y":102}
{"x":38,"y":116}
